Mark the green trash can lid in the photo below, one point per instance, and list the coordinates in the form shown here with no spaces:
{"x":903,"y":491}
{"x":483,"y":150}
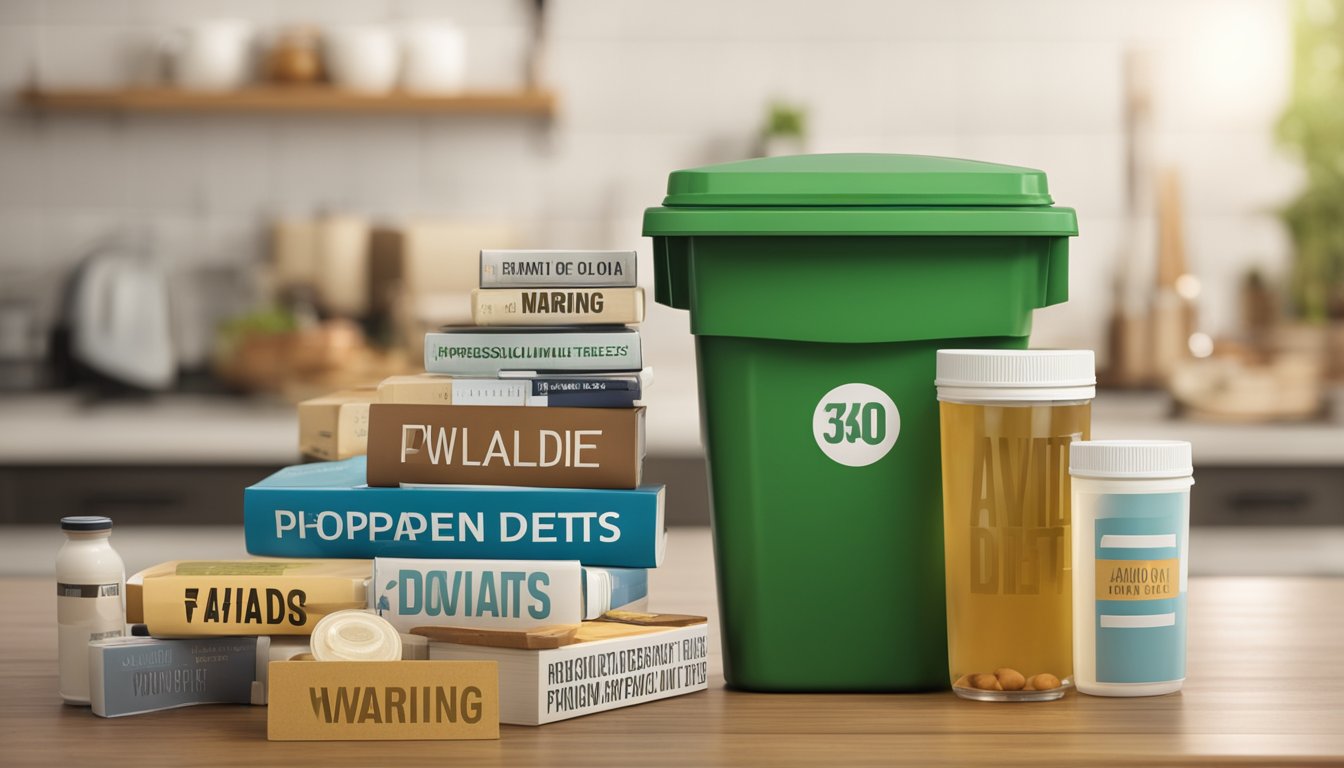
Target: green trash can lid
{"x":858,"y":179}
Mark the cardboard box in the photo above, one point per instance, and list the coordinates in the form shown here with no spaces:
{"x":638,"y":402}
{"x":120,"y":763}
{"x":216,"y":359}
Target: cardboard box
{"x":383,"y":700}
{"x":434,"y":256}
{"x":336,"y":426}
{"x":343,"y":274}
{"x":328,"y":255}
{"x":294,"y":250}
{"x":423,"y":270}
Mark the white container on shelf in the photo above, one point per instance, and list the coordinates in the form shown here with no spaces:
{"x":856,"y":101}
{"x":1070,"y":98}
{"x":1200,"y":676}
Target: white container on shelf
{"x":434,"y":58}
{"x":1131,"y":544}
{"x":364,"y":57}
{"x":212,"y":55}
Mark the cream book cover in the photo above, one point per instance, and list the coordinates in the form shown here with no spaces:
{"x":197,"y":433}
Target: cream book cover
{"x":551,"y":306}
{"x":336,"y":426}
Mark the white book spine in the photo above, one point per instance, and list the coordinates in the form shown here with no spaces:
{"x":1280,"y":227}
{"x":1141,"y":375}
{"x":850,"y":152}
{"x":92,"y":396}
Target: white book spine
{"x":546,"y":269}
{"x":582,"y":679}
{"x":492,"y":392}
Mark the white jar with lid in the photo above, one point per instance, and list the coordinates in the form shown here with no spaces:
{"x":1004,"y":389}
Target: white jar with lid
{"x":1131,"y":543}
{"x":90,"y":605}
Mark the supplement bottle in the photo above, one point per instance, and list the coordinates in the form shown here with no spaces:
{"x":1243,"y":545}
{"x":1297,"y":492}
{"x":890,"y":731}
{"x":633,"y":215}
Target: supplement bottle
{"x":90,"y":605}
{"x":1007,"y":419}
{"x":1131,"y":541}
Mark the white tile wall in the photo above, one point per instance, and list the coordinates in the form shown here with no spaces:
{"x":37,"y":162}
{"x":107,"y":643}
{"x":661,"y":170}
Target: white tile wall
{"x":23,"y":170}
{"x":87,"y":12}
{"x":240,"y":153}
{"x":330,"y":11}
{"x":389,"y":163}
{"x":168,"y":13}
{"x":21,"y":234}
{"x":89,"y":56}
{"x":1230,"y":173}
{"x":87,"y":162}
{"x":18,"y":46}
{"x":21,"y":12}
{"x":647,"y":86}
{"x":166,"y":164}
{"x":177,"y":238}
{"x":70,"y":234}
{"x":313,"y":164}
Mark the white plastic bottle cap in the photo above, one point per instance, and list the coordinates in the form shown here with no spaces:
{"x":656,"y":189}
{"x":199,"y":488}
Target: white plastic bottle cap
{"x":1130,"y":459}
{"x":1016,"y":374}
{"x":355,"y":635}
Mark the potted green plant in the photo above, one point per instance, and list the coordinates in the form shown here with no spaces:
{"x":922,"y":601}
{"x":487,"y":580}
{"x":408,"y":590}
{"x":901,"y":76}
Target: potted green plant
{"x":1312,"y":126}
{"x":785,"y":131}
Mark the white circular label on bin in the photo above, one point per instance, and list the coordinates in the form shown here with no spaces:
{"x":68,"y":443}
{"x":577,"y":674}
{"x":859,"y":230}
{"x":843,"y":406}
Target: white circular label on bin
{"x":856,"y":424}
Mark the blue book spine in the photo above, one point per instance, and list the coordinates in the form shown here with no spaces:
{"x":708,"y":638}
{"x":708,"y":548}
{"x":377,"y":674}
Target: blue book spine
{"x":554,"y":386}
{"x":628,"y":585}
{"x":598,"y":399}
{"x":619,"y":528}
{"x":606,"y":589}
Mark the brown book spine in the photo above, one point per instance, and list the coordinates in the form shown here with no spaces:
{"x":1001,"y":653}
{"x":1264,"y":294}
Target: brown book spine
{"x":505,"y":445}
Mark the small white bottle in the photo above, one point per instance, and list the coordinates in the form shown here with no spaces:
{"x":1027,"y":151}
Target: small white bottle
{"x":1131,"y":544}
{"x":90,"y":602}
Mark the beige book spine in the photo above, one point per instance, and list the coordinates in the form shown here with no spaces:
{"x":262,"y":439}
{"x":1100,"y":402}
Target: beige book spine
{"x":554,"y":306}
{"x":334,"y":430}
{"x":416,"y":389}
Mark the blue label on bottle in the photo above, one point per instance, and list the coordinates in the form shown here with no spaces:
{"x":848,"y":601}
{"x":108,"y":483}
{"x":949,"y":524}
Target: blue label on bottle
{"x":1141,"y":585}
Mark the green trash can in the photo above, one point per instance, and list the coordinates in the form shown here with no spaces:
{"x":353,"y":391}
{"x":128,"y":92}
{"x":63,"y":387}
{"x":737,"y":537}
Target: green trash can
{"x":819,"y":288}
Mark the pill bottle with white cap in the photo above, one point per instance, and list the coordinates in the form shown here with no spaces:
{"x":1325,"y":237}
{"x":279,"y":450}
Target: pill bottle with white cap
{"x":1131,"y":541}
{"x":1006,"y":419}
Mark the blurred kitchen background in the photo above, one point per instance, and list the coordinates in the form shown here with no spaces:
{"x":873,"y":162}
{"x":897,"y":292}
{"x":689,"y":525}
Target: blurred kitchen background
{"x":289,"y":193}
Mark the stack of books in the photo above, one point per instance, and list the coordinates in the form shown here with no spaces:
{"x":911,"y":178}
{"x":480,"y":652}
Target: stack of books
{"x":498,"y":517}
{"x":500,"y":500}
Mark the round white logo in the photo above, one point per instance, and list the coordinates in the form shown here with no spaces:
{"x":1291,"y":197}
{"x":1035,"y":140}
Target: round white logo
{"x":856,"y":424}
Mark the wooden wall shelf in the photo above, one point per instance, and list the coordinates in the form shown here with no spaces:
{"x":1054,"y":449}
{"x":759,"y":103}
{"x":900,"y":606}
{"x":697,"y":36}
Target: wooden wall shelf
{"x":297,"y":99}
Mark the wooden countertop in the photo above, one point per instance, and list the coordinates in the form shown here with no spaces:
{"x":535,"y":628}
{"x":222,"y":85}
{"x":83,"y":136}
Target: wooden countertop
{"x":1266,"y":687}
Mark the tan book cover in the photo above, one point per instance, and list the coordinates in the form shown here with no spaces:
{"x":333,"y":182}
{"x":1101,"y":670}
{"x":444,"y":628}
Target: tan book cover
{"x":382,"y":700}
{"x":557,"y":306}
{"x":505,"y":445}
{"x":336,"y":426}
{"x":185,"y":598}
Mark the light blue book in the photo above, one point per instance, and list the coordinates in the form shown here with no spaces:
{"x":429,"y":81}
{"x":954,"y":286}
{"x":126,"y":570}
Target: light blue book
{"x":325,"y":510}
{"x":501,"y":594}
{"x":132,"y":675}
